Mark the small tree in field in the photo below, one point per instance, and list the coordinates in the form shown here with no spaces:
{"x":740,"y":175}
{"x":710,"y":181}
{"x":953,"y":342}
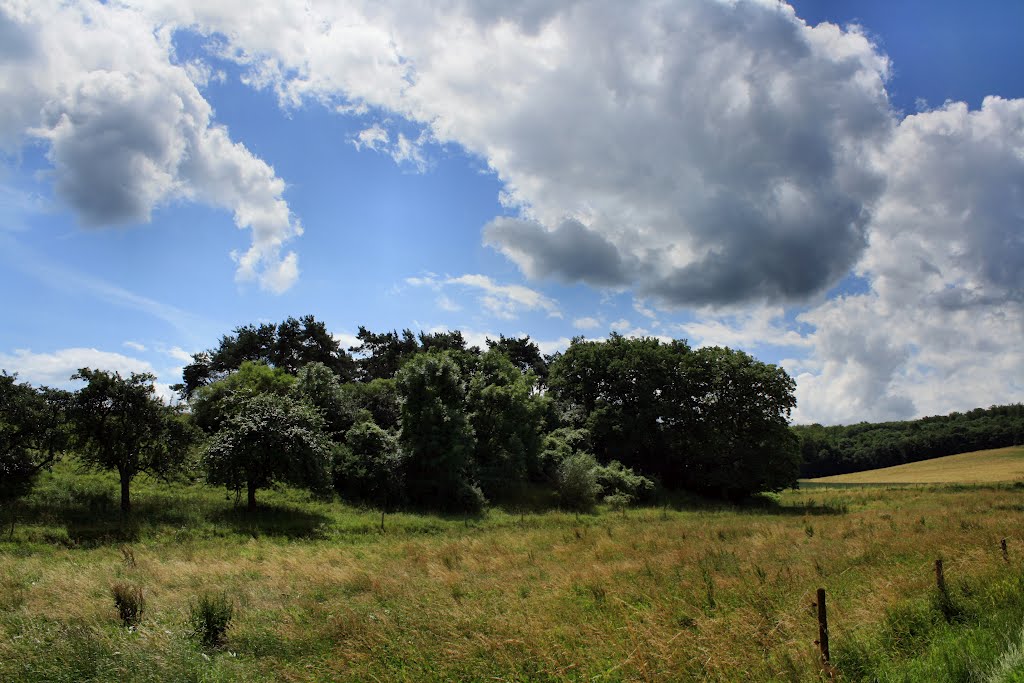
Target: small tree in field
{"x":120,"y":424}
{"x":270,"y":438}
{"x":577,"y":482}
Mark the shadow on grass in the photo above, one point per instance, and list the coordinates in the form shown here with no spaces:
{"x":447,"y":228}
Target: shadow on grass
{"x":682,"y":501}
{"x":273,"y":520}
{"x":93,"y":519}
{"x":770,"y":506}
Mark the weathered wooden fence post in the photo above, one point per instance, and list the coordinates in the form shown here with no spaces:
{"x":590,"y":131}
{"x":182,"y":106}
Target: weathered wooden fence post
{"x":1006,"y":553}
{"x":823,"y":628}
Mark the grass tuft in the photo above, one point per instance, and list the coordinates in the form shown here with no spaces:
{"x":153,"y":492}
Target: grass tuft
{"x":210,"y":616}
{"x":129,"y":601}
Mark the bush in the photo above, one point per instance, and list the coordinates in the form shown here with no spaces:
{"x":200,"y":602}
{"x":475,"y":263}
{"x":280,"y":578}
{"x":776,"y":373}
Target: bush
{"x":557,"y":446}
{"x":470,"y":498}
{"x":577,"y":482}
{"x":369,"y":467}
{"x":619,"y":501}
{"x":129,"y":602}
{"x":615,"y":479}
{"x":210,"y":617}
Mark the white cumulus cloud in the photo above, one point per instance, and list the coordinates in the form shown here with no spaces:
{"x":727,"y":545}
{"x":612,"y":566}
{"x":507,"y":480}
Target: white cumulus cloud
{"x":127,"y":130}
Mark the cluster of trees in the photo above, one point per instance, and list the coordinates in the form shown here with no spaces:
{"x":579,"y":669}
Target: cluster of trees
{"x":112,"y":423}
{"x":429,"y":421}
{"x":864,"y":446}
{"x":426,"y":420}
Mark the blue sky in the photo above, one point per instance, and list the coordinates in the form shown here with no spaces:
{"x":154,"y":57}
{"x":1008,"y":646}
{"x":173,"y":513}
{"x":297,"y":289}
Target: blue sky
{"x":825,"y":185}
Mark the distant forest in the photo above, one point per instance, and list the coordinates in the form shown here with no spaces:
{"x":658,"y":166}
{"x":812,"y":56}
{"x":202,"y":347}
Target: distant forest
{"x":865,"y":446}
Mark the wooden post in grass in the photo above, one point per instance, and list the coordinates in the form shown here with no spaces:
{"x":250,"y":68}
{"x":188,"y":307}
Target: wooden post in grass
{"x":823,"y":628}
{"x":940,"y":577}
{"x":1006,"y":553}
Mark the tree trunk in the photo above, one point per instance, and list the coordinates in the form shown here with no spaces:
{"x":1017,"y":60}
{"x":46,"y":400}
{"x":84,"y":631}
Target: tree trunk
{"x":252,"y":496}
{"x":126,"y":502}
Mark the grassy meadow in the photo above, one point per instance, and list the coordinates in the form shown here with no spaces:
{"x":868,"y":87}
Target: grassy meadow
{"x":688,"y":591}
{"x":978,"y":467}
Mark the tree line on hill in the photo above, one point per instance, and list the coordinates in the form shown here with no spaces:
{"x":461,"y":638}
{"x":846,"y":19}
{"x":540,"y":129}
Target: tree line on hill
{"x":424,"y":420}
{"x":853,"y":448}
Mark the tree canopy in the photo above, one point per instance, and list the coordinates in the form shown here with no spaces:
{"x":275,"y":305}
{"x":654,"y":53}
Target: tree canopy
{"x":214,"y":403}
{"x":523,"y":354}
{"x":120,"y":424}
{"x":437,"y":434}
{"x":713,"y":420}
{"x":380,"y":355}
{"x":270,"y":438}
{"x":288,"y":345}
{"x":508,"y":419}
{"x":33,"y":433}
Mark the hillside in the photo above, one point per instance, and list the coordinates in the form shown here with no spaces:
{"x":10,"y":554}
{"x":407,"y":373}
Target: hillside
{"x":842,"y":449}
{"x":977,"y":467}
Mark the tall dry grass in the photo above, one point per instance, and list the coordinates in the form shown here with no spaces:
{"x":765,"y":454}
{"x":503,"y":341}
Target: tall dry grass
{"x":700,"y":593}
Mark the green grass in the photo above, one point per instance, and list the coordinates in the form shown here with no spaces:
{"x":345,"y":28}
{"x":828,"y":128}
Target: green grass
{"x":978,"y":467}
{"x":695,"y":591}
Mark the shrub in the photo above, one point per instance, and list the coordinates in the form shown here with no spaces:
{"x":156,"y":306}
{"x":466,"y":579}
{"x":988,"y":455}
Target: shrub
{"x":577,"y":482}
{"x":470,"y":498}
{"x":129,"y":602}
{"x":619,"y":501}
{"x":369,"y":467}
{"x":559,"y":445}
{"x":615,"y":479}
{"x":210,"y":617}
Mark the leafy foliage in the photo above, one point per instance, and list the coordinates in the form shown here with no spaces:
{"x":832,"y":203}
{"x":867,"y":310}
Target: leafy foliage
{"x":736,"y":433}
{"x":713,"y":420}
{"x":577,"y":482}
{"x":379,"y":398}
{"x":290,"y":345}
{"x":213,"y":404}
{"x":380,"y":355}
{"x":437,"y":434}
{"x":469,"y":424}
{"x":120,"y":424}
{"x":558,"y":445}
{"x":624,"y":389}
{"x":523,"y":354}
{"x":318,"y":386}
{"x":369,"y":468}
{"x":270,"y":438}
{"x":617,"y":480}
{"x":32,"y":434}
{"x":507,"y":418}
